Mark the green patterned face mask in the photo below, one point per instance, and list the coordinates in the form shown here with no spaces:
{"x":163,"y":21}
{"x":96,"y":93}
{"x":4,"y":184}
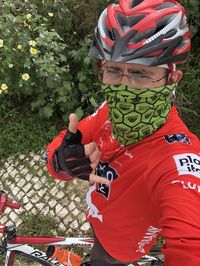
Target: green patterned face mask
{"x":137,"y":113}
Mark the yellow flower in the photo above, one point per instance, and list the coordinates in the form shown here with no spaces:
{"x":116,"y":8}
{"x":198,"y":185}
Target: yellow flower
{"x":75,"y":32}
{"x":4,"y":87}
{"x":32,"y":43}
{"x":19,"y":46}
{"x":50,"y":15}
{"x":1,"y":43}
{"x":25,"y":76}
{"x":33,"y":50}
{"x":28,"y":16}
{"x":0,"y":91}
{"x":10,"y":65}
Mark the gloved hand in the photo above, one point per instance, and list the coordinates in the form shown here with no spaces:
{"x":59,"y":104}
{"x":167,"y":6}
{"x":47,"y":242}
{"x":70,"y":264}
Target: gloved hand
{"x":76,"y":159}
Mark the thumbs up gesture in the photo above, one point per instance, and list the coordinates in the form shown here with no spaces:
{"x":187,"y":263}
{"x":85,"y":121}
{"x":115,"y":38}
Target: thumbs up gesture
{"x":76,"y":159}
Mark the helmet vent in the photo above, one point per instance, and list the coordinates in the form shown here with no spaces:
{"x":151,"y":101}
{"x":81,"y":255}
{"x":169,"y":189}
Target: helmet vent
{"x":135,"y":3}
{"x":163,"y":22}
{"x":165,"y":5}
{"x":127,"y":22}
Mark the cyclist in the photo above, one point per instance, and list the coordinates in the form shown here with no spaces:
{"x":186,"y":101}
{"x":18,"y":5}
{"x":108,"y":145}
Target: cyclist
{"x":142,"y":162}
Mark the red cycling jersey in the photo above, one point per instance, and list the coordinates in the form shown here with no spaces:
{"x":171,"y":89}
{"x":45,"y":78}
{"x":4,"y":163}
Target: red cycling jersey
{"x":154,"y":191}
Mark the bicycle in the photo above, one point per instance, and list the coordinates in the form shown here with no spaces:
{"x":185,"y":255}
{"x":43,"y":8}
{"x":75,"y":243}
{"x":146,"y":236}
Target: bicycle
{"x":14,"y":246}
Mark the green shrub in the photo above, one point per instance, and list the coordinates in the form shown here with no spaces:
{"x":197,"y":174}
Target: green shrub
{"x":22,"y":133}
{"x":188,"y":93}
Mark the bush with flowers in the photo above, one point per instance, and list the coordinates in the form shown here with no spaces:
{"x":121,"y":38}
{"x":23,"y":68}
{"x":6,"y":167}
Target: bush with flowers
{"x":40,"y":65}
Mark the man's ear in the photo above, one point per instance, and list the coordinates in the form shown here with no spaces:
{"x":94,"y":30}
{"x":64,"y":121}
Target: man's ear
{"x":176,"y":76}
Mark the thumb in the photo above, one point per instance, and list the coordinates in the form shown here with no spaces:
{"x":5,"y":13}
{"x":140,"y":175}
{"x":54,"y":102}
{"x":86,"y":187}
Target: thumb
{"x":73,"y":123}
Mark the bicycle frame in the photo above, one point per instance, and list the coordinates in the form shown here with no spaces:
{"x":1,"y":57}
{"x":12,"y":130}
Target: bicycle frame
{"x":20,"y":247}
{"x":13,"y":244}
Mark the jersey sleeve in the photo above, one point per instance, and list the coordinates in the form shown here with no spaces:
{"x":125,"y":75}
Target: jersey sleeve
{"x":174,"y":183}
{"x":87,"y":127}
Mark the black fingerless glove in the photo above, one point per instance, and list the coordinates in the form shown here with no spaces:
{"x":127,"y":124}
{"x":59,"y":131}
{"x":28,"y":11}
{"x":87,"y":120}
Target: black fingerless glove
{"x":70,"y":157}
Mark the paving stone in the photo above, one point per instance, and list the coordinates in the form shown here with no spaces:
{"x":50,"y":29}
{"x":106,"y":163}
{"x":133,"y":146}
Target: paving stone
{"x":20,"y":195}
{"x":24,"y":171}
{"x":28,"y":177}
{"x":60,"y":195}
{"x":58,"y":208}
{"x":76,"y":212}
{"x":34,"y":200}
{"x":28,"y":206}
{"x":38,"y":186}
{"x":74,"y":224}
{"x":36,"y":158}
{"x":10,"y":169}
{"x":25,"y":199}
{"x":13,"y":216}
{"x":40,"y":206}
{"x":4,"y":220}
{"x":35,"y":180}
{"x":64,"y":212}
{"x":71,"y":206}
{"x":2,"y":172}
{"x":46,"y":210}
{"x":41,"y":193}
{"x":13,"y":173}
{"x":67,"y":220}
{"x":85,"y":227}
{"x":22,"y":156}
{"x":82,"y":217}
{"x":16,"y":190}
{"x":77,"y":199}
{"x":62,"y":227}
{"x":26,"y":187}
{"x":32,"y":163}
{"x":52,"y":203}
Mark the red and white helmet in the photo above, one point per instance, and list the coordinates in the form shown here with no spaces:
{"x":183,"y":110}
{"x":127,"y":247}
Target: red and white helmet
{"x":148,"y":32}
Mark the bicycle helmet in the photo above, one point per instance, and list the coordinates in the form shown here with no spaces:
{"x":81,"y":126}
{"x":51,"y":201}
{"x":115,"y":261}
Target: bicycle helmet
{"x":148,"y":32}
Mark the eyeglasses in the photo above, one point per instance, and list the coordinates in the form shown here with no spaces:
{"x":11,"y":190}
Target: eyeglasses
{"x":113,"y":76}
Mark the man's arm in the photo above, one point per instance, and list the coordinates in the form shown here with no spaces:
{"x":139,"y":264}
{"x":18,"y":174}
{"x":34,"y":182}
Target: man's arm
{"x":73,"y":153}
{"x":177,"y":196}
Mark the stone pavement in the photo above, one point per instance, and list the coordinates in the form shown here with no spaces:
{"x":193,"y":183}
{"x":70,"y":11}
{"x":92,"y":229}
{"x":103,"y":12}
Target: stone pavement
{"x":26,"y":181}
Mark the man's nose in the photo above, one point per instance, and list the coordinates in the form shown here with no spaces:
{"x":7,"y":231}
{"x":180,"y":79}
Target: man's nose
{"x":125,"y":80}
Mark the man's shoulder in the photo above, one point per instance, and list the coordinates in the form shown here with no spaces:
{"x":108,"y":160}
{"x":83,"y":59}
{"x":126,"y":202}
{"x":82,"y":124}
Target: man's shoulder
{"x":101,"y":112}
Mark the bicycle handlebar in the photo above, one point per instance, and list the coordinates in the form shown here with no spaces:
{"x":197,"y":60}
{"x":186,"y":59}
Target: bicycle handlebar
{"x":4,"y":202}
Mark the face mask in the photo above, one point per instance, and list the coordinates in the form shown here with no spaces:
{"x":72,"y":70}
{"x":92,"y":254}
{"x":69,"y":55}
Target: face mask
{"x":137,"y":113}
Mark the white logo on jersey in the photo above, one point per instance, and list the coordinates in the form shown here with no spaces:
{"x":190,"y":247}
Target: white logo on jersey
{"x":150,"y":234}
{"x":188,"y":164}
{"x":187,"y":185}
{"x":129,"y":154}
{"x":92,"y":209}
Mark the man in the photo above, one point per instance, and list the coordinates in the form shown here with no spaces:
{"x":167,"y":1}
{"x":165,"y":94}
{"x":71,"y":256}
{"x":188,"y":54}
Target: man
{"x":142,"y":162}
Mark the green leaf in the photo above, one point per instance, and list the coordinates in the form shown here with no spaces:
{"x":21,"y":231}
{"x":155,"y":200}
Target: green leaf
{"x":48,"y":111}
{"x":52,"y":82}
{"x":87,"y":60}
{"x":36,"y":104}
{"x":83,"y":88}
{"x":93,"y":102}
{"x":79,"y":112}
